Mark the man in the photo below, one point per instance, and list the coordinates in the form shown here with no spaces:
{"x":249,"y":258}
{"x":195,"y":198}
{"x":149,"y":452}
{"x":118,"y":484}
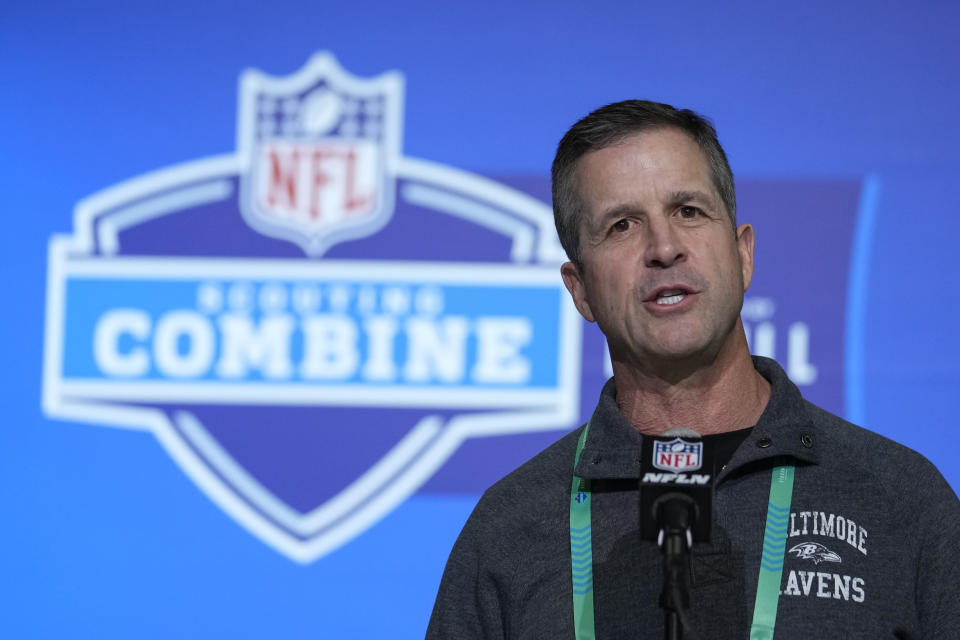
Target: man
{"x":645,"y":208}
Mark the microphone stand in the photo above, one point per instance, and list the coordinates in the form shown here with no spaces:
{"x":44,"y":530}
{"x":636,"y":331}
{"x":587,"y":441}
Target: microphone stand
{"x":674,"y":513}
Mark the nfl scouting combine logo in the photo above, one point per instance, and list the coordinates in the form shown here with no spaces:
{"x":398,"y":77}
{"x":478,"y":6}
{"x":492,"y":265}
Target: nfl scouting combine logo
{"x":312,"y":325}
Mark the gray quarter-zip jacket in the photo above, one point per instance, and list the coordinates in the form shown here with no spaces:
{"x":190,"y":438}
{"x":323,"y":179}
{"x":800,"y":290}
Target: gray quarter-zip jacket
{"x":873,"y":548}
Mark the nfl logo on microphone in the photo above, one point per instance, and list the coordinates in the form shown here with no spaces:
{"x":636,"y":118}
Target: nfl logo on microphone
{"x":677,"y":455}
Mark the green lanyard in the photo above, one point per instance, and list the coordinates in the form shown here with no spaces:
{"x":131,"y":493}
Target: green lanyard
{"x":771,"y":563}
{"x":581,"y":550}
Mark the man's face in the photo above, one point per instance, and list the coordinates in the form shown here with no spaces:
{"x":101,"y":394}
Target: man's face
{"x":663,"y":273}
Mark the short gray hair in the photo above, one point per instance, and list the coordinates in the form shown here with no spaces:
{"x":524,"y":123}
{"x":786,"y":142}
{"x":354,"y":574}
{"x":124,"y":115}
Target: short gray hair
{"x":610,"y":125}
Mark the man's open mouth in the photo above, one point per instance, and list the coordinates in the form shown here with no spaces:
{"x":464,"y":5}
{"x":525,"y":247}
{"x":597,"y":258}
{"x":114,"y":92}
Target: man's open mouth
{"x":671,"y":298}
{"x":667,"y":297}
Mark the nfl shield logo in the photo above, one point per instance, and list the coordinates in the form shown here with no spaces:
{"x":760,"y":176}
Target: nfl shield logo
{"x":677,"y":455}
{"x":322,"y":149}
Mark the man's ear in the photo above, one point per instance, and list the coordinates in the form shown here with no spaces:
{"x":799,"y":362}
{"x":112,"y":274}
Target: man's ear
{"x":745,"y":244}
{"x":573,"y":280}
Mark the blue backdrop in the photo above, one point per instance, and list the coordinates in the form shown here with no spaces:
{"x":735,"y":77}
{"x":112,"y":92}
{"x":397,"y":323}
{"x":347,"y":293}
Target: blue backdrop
{"x":839,"y":120}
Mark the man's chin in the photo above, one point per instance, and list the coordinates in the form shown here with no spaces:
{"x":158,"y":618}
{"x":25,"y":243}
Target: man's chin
{"x":680,"y":350}
{"x":680,"y":356}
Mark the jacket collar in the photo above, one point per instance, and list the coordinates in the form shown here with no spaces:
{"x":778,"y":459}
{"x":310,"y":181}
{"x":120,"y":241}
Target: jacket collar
{"x":783,"y":431}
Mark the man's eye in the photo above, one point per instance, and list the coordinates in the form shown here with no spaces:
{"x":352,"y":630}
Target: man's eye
{"x":621,"y":225}
{"x":689,"y":212}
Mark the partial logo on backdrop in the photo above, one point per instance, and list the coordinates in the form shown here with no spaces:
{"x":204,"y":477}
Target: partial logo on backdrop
{"x":312,"y":325}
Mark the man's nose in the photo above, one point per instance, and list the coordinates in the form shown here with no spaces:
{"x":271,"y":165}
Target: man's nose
{"x":664,"y":244}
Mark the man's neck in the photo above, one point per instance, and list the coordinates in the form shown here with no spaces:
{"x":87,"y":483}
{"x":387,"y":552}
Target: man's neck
{"x":723,"y":395}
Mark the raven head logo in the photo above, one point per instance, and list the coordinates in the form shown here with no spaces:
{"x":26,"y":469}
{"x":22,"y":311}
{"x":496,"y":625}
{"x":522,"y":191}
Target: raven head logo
{"x":814,"y":551}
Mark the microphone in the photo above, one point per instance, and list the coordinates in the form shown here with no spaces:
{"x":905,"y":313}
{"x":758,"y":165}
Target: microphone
{"x":676,"y":486}
{"x":676,"y":500}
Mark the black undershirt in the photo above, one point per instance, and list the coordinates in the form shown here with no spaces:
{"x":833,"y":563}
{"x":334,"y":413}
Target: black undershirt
{"x":724,"y":444}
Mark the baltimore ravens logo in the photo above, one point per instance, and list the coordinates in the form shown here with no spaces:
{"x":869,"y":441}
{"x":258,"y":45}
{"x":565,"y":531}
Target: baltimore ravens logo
{"x":814,"y":551}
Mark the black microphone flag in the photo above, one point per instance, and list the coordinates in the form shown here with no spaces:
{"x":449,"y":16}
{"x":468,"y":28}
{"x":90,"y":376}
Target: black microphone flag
{"x":676,"y":469}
